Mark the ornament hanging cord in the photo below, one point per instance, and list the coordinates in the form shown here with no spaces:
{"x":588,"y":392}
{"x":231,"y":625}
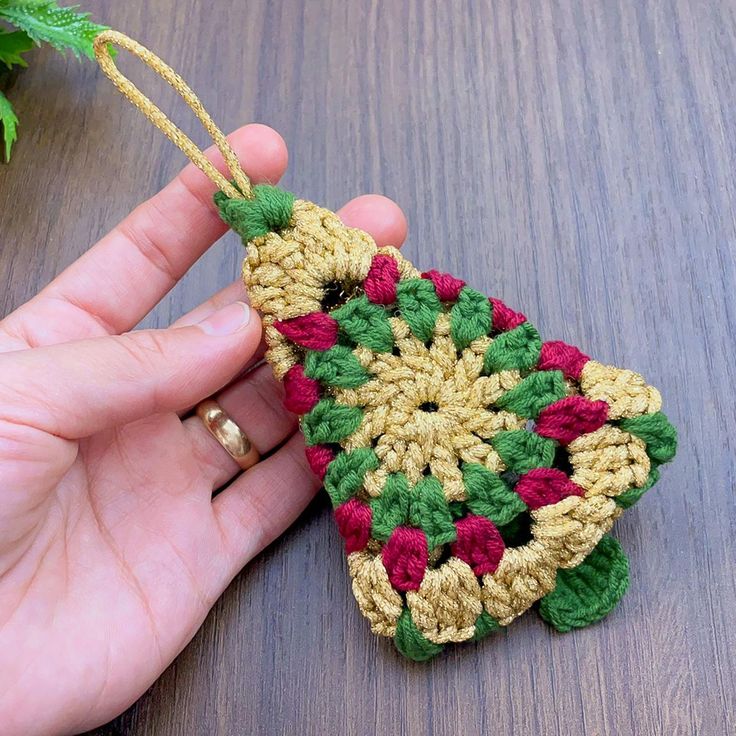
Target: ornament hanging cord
{"x":102,"y":43}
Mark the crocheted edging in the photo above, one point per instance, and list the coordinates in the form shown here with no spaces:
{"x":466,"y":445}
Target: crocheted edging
{"x":474,"y":469}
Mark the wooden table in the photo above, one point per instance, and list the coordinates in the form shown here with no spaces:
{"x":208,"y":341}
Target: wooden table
{"x":574,"y":158}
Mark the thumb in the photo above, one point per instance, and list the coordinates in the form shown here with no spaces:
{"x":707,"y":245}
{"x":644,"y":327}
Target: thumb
{"x":78,"y":388}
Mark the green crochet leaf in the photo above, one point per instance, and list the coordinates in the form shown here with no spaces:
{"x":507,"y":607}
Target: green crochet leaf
{"x":485,"y":624}
{"x":429,"y":511}
{"x":419,"y":305}
{"x":391,"y":508}
{"x":534,"y":393}
{"x":587,"y":593}
{"x":517,"y":349}
{"x":660,"y":436}
{"x":470,"y":317}
{"x":346,"y":473}
{"x":490,"y":496}
{"x":523,"y":451}
{"x":411,"y":642}
{"x":365,"y":324}
{"x":337,"y":366}
{"x":330,"y":422}
{"x":269,"y":210}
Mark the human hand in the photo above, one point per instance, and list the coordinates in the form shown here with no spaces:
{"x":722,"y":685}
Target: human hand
{"x":112,"y":547}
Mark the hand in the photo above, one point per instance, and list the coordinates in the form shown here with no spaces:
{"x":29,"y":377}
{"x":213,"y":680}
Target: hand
{"x":112,"y":547}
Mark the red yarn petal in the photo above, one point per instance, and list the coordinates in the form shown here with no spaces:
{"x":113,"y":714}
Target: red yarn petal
{"x":380,"y":283}
{"x":447,"y":287}
{"x":405,"y":557}
{"x":568,"y":418}
{"x":478,"y":543}
{"x":319,"y":457}
{"x":544,"y":486}
{"x":301,"y":393}
{"x":354,"y":524}
{"x":315,"y":331}
{"x":504,"y":318}
{"x":558,"y":355}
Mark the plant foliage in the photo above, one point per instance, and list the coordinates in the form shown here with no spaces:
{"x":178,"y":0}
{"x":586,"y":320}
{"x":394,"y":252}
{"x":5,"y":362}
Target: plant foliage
{"x":25,"y":23}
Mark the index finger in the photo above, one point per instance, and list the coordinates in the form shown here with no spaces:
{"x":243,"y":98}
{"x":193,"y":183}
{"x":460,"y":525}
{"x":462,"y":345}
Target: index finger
{"x":118,"y":281}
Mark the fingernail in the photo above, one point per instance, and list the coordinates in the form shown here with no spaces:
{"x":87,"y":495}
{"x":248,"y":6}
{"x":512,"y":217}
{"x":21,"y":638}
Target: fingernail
{"x":226,"y":321}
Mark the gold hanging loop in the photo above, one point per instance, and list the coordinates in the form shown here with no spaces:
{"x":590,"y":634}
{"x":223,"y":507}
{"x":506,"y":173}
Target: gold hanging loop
{"x":161,"y":121}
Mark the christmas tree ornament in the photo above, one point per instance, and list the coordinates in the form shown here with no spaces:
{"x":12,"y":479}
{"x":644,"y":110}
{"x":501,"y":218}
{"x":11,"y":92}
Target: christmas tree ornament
{"x":475,"y":469}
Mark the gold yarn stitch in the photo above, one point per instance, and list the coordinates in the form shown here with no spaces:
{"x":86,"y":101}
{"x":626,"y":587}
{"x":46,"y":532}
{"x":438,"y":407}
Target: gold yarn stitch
{"x":409,"y":440}
{"x":447,"y":604}
{"x":376,"y":597}
{"x":280,"y":274}
{"x":608,"y":461}
{"x":626,"y":392}
{"x":286,"y":272}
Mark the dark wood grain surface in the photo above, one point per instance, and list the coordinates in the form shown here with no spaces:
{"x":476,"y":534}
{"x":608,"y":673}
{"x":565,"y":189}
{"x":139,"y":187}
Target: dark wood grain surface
{"x":573,"y":157}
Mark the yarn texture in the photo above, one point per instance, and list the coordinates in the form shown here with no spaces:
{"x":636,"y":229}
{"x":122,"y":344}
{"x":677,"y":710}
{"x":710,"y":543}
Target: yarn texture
{"x":474,"y":469}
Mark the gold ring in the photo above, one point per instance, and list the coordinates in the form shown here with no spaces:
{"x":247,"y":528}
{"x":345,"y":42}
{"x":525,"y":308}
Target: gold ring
{"x":228,"y":434}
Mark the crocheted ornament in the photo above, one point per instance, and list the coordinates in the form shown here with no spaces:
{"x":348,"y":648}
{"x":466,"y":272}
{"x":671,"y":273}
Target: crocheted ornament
{"x":475,"y":469}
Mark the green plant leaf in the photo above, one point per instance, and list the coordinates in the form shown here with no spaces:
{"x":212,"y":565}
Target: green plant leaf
{"x":12,"y":45}
{"x":44,"y":21}
{"x":9,"y":122}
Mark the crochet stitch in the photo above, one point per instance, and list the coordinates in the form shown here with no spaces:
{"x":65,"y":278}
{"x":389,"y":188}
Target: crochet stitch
{"x":474,"y":469}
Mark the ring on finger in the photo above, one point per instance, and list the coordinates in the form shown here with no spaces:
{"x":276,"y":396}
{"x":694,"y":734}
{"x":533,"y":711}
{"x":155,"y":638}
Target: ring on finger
{"x":227,"y":432}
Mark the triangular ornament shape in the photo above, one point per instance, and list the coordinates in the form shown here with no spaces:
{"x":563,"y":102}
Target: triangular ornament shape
{"x":471,"y":465}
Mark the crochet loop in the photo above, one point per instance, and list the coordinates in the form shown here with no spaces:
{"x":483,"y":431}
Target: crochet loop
{"x":474,"y":469}
{"x":269,"y":210}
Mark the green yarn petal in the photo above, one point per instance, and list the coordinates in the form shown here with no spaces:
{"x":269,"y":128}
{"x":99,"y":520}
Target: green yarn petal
{"x":628,"y":498}
{"x":346,"y":473}
{"x":523,"y":451}
{"x":337,"y":366}
{"x":269,"y":210}
{"x":660,"y":436}
{"x":485,"y":624}
{"x":589,"y":592}
{"x":391,"y":508}
{"x":429,"y":511}
{"x":534,"y":393}
{"x":330,"y":422}
{"x":470,"y":317}
{"x":490,"y":496}
{"x":365,"y":323}
{"x":411,"y":642}
{"x":517,"y":349}
{"x":419,"y":305}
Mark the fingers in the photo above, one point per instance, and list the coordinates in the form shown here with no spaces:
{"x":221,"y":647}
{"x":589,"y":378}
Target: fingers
{"x":78,"y":388}
{"x":254,"y":404}
{"x":254,"y":400}
{"x":114,"y":285}
{"x":234,"y":292}
{"x":379,"y":216}
{"x":264,"y":502}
